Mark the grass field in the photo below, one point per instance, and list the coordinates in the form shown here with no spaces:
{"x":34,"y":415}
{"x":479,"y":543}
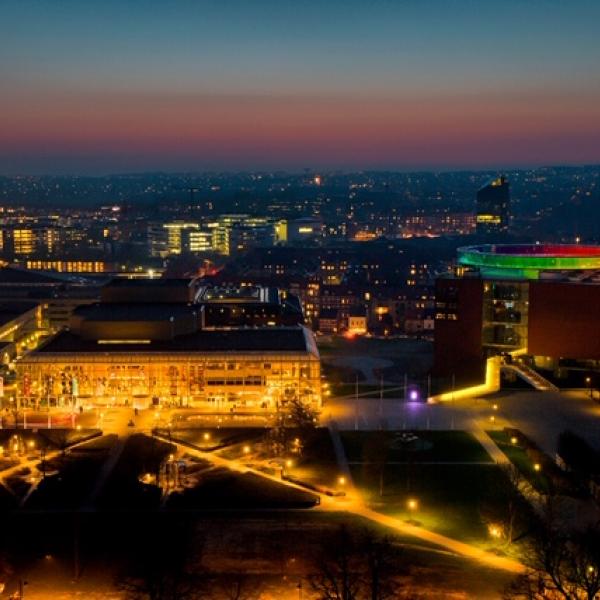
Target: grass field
{"x":456,"y":488}
{"x":225,"y":490}
{"x":518,"y":457}
{"x":432,"y":446}
{"x":142,"y":454}
{"x":77,"y":473}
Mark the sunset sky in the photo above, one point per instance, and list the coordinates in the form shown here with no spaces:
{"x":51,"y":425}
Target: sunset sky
{"x":115,"y":86}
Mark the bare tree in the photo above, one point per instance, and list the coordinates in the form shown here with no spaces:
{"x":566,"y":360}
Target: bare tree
{"x":236,"y":587}
{"x":505,"y":503}
{"x":562,"y":565}
{"x":356,"y":567}
{"x":161,"y":568}
{"x":382,"y":567}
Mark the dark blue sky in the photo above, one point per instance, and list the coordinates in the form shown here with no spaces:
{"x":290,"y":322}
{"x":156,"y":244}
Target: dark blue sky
{"x":120,"y":85}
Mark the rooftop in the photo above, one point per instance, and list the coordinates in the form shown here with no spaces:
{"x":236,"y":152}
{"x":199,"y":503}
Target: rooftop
{"x":12,"y":310}
{"x":280,"y":339}
{"x":134,"y":311}
{"x":527,"y":261}
{"x":119,"y":282}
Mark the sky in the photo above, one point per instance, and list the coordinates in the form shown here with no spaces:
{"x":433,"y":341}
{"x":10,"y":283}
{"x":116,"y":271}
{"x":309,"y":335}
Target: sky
{"x":94,"y":87}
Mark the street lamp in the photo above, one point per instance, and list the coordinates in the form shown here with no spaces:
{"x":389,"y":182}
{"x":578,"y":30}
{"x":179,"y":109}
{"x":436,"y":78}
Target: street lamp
{"x":246,"y":449}
{"x":342,"y":480}
{"x":495,"y":531}
{"x":412,"y":504}
{"x":537,"y":467}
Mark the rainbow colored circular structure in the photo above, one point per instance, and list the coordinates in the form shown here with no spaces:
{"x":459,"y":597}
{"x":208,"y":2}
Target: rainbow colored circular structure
{"x":526,"y":261}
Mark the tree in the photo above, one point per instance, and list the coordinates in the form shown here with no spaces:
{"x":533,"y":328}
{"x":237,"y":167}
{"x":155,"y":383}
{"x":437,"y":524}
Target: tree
{"x":236,"y":587}
{"x":505,"y":502}
{"x":338,"y":570}
{"x":302,"y":416}
{"x":299,"y":419}
{"x":161,"y":568}
{"x":562,"y":565}
{"x":356,"y":567}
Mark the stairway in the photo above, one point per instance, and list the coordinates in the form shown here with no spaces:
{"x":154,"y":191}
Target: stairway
{"x":531,"y":376}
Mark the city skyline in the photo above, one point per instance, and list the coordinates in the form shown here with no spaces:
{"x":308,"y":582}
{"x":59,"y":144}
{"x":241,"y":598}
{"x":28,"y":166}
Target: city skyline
{"x":94,"y":89}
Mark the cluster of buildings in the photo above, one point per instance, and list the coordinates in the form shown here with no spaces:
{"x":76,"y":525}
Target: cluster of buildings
{"x":229,"y":234}
{"x":380,"y":287}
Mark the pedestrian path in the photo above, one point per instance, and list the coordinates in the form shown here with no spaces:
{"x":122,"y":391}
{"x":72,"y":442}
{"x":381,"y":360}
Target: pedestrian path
{"x":488,"y":443}
{"x":354,"y":505}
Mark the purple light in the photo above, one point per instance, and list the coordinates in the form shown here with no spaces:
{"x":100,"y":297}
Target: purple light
{"x":414,"y":395}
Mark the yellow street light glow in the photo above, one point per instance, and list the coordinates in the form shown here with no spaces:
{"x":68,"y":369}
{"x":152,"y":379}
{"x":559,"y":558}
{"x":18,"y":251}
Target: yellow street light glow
{"x":289,"y":463}
{"x":513,"y":440}
{"x":171,"y":457}
{"x":207,"y":436}
{"x":537,"y":467}
{"x":342,"y":480}
{"x":246,"y":449}
{"x":31,"y":444}
{"x":495,"y":407}
{"x":492,"y":418}
{"x":412,"y":504}
{"x":495,"y":531}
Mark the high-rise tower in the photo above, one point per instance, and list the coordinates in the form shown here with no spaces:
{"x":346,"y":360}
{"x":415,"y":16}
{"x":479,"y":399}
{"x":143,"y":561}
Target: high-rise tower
{"x":493,"y":202}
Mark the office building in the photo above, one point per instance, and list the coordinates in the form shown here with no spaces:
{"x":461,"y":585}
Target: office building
{"x":493,"y":205}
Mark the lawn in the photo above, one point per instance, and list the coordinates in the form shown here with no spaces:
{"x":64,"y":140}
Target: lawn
{"x":123,"y":490}
{"x":458,"y":490}
{"x":518,"y":457}
{"x":77,"y":473}
{"x":223,"y":489}
{"x":431,"y":446}
{"x":456,"y":500}
{"x":317,"y":465}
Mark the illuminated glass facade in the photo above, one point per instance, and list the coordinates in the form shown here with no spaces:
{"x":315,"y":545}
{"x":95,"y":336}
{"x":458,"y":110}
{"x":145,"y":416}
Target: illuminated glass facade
{"x":232,"y":382}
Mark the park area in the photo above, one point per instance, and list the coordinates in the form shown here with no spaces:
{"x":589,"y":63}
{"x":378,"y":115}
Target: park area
{"x":442,"y":480}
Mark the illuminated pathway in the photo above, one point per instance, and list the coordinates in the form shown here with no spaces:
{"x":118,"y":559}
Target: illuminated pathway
{"x":426,"y":535}
{"x":353,"y":504}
